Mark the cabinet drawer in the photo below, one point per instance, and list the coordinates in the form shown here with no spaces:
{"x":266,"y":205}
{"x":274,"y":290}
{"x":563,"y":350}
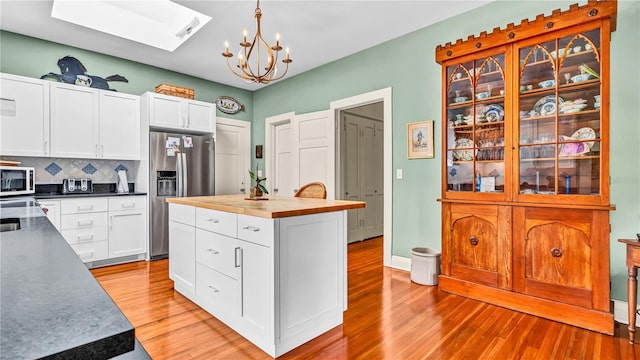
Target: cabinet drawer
{"x":84,"y":205}
{"x":256,"y":229}
{"x":183,"y":214}
{"x":127,"y":203}
{"x":79,"y":236}
{"x":217,"y":221}
{"x":219,"y":252}
{"x":92,"y":251}
{"x":217,"y":293}
{"x":83,"y":221}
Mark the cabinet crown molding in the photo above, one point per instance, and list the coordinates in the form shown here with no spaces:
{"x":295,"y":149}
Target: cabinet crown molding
{"x":592,"y":11}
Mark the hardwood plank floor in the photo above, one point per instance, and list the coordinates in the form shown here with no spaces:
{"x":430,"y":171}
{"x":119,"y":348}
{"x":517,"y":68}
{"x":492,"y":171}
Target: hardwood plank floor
{"x":389,"y":317}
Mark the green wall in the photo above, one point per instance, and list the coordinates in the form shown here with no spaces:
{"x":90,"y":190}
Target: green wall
{"x":27,"y":56}
{"x":407,"y":65}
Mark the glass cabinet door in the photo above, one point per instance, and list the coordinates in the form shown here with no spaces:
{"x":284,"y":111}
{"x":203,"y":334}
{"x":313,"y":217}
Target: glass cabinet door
{"x":475,"y":128}
{"x":559,"y":116}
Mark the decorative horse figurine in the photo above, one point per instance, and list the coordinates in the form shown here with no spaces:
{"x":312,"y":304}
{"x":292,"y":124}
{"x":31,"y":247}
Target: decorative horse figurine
{"x":73,"y":72}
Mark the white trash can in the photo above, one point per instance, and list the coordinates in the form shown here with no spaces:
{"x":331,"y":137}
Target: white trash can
{"x":425,"y":266}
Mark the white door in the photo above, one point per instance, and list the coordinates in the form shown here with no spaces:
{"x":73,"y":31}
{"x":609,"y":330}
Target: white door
{"x":378,"y":171}
{"x":200,"y":116}
{"x":233,"y":141}
{"x":351,"y":174}
{"x":74,"y":121}
{"x":127,"y":233}
{"x":314,"y":150}
{"x":24,"y":116}
{"x":367,"y":178}
{"x":119,"y":126}
{"x":282,"y":177}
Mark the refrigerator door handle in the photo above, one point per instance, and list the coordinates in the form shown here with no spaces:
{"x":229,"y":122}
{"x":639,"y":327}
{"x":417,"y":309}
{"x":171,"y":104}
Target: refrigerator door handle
{"x":179,"y":191}
{"x":184,"y":174}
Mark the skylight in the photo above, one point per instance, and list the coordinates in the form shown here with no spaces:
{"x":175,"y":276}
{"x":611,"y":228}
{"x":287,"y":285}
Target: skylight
{"x":159,"y":23}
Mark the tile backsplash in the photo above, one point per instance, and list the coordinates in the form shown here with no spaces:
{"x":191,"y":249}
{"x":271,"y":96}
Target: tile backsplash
{"x":54,"y":170}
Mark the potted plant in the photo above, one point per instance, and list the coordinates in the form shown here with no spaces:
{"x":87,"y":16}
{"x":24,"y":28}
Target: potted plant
{"x":259,"y":189}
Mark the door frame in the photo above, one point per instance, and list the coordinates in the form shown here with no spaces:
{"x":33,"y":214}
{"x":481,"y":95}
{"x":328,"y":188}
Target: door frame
{"x":270,"y":124}
{"x":336,"y":107}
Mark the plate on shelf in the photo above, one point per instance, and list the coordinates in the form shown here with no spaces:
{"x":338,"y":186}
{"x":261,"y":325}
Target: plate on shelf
{"x":585,"y":133}
{"x":494,"y":113}
{"x":547,"y":105}
{"x":463,"y":155}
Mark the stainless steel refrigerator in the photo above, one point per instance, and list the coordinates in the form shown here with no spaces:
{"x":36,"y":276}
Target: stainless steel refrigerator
{"x":180,"y":165}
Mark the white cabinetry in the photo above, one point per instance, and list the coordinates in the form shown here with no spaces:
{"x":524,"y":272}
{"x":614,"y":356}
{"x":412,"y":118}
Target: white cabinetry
{"x":83,"y":223}
{"x":53,"y":211}
{"x":175,"y":113}
{"x":277,"y":282}
{"x":24,"y":116}
{"x":127,"y":225}
{"x":182,"y":249}
{"x":92,"y":123}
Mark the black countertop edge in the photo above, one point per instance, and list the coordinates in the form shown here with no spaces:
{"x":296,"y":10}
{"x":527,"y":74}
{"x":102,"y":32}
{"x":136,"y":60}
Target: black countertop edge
{"x":51,"y":306}
{"x":42,"y":196}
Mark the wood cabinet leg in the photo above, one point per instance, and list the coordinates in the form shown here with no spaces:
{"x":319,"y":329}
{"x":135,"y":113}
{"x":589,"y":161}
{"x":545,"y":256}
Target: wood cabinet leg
{"x":632,"y":291}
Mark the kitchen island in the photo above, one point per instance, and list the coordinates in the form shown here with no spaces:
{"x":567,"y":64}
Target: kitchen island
{"x":273,"y":270}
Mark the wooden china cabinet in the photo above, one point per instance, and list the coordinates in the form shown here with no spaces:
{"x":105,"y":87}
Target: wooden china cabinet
{"x":525,"y":184}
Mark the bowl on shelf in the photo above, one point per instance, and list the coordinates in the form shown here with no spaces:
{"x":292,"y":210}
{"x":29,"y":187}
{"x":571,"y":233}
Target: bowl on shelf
{"x":560,"y":52}
{"x":547,"y":83}
{"x":483,"y":95}
{"x":581,"y":77}
{"x":460,"y":99}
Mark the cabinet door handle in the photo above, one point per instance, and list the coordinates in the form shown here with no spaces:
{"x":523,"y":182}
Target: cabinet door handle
{"x":46,"y":143}
{"x":215,"y":221}
{"x":83,"y":238}
{"x":101,"y":151}
{"x":84,"y":222}
{"x":473,"y":240}
{"x":128,"y":206}
{"x":238,"y":255}
{"x":213,"y":289}
{"x":251,"y":228}
{"x":86,"y":255}
{"x":214,"y":251}
{"x":556,"y":252}
{"x":97,"y":153}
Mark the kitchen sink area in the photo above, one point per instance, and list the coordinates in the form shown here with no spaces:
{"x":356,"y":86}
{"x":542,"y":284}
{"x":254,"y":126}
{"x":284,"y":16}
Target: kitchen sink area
{"x":9,"y":224}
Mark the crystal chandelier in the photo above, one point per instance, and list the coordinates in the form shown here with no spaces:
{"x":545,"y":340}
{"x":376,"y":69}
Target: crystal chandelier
{"x":252,"y":64}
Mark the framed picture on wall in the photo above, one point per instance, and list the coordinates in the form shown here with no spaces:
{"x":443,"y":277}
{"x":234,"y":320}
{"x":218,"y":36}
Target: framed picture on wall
{"x":420,"y":140}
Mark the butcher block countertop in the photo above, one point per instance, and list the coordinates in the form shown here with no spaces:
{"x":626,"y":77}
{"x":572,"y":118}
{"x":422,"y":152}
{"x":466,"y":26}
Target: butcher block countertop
{"x":275,"y":207}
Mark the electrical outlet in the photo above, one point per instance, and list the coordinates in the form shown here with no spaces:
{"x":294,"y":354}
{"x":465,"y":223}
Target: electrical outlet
{"x":259,"y":173}
{"x":399,"y":174}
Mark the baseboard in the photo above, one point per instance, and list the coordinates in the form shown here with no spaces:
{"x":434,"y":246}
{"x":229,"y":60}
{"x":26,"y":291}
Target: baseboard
{"x":621,"y":312}
{"x":401,"y":263}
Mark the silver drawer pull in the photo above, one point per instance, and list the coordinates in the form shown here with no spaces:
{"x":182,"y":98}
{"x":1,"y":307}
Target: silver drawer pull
{"x":85,"y":208}
{"x":127,"y":206}
{"x":214,"y":251}
{"x":251,"y":228}
{"x":85,"y":237}
{"x":214,"y":289}
{"x":215,"y":221}
{"x":85,"y":222}
{"x":86,"y":255}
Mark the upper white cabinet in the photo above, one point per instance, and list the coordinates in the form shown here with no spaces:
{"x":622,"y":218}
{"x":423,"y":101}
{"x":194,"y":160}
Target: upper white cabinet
{"x":24,"y":116}
{"x":175,"y":113}
{"x":92,"y":123}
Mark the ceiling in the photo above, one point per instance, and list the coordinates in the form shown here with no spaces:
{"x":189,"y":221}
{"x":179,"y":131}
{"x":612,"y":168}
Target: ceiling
{"x":317,"y":32}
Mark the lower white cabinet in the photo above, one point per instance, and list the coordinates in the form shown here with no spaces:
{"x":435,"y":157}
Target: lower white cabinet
{"x":100,"y":228}
{"x":182,"y":249}
{"x":53,"y":211}
{"x":278,"y":282}
{"x":127,"y":225}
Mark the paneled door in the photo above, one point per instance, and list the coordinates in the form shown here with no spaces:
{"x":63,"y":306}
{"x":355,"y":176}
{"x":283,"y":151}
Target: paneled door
{"x":283,"y":179}
{"x":314,"y":150}
{"x":233,"y":139}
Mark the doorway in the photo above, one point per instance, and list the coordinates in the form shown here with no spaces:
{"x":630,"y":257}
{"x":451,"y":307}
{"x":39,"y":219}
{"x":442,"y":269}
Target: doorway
{"x":361,"y":157}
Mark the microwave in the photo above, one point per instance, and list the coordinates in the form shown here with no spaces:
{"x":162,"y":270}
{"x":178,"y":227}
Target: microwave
{"x":17,"y":180}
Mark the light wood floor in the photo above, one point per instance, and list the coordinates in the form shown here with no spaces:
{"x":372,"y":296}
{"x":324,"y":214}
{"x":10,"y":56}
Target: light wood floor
{"x":389,"y":317}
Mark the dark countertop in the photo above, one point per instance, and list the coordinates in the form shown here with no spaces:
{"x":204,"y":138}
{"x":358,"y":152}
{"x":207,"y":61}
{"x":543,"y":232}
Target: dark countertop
{"x":43,"y":196}
{"x":50,"y":304}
